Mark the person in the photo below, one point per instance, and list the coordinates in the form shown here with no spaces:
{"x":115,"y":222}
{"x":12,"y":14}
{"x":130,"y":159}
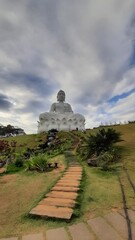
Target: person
{"x":60,"y":106}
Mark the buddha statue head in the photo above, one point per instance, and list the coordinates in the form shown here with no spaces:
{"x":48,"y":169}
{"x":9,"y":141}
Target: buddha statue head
{"x":61,"y":96}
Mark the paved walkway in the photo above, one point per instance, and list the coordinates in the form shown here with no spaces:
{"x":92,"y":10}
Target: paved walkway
{"x":110,"y":227}
{"x":60,"y":201}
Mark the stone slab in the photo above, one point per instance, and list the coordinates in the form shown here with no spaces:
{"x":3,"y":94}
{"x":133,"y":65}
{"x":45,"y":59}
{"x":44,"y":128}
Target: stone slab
{"x":65,"y":189}
{"x":38,"y":236}
{"x":67,"y":195}
{"x":80,"y":232}
{"x":11,"y":238}
{"x":71,"y":176}
{"x":118,"y":222}
{"x":69,"y":184}
{"x":133,"y":230}
{"x":131,"y":214}
{"x":103,"y":230}
{"x":74,"y":170}
{"x":62,"y":202}
{"x":75,"y":167}
{"x":55,"y":234}
{"x":52,"y":211}
{"x":69,"y":180}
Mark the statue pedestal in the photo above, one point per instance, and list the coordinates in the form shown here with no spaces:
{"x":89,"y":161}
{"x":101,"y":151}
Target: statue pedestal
{"x":59,"y":121}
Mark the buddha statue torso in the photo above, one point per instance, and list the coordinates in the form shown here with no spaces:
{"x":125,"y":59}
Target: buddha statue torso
{"x":61,"y":107}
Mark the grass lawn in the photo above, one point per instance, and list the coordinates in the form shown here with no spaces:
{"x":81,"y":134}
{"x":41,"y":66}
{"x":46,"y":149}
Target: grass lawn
{"x":101,"y":193}
{"x":19,"y":193}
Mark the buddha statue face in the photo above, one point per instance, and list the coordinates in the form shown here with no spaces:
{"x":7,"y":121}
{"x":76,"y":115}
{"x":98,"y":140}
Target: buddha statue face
{"x":61,"y":96}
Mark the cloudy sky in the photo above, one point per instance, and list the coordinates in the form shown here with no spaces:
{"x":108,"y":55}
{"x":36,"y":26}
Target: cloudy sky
{"x":84,"y":47}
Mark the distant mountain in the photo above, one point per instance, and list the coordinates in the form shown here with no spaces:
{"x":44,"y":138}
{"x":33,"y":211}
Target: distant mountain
{"x":9,"y":130}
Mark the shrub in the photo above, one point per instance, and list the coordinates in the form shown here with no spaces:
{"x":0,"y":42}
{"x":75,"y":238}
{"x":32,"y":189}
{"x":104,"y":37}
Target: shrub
{"x":104,"y":160}
{"x":38,"y":162}
{"x":19,"y":161}
{"x":102,"y":141}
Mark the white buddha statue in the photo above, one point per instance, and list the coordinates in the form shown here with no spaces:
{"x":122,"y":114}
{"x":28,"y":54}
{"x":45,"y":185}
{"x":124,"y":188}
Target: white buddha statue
{"x":60,"y":117}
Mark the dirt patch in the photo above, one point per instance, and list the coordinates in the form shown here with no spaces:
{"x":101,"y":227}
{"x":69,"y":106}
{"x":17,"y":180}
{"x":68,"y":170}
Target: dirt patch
{"x":2,"y":170}
{"x":8,"y":178}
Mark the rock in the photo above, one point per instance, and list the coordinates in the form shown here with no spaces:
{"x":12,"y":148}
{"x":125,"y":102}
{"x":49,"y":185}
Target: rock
{"x":92,"y":162}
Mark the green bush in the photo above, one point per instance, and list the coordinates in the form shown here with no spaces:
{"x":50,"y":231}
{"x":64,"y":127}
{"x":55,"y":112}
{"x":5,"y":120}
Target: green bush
{"x":19,"y":162}
{"x":38,"y":162}
{"x":104,"y":160}
{"x":12,"y":168}
{"x":101,"y":142}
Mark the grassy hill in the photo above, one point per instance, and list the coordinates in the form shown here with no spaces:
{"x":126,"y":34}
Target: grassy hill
{"x":100,"y":191}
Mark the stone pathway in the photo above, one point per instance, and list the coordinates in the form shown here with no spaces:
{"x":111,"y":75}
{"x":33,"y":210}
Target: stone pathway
{"x":110,"y":227}
{"x":60,"y":201}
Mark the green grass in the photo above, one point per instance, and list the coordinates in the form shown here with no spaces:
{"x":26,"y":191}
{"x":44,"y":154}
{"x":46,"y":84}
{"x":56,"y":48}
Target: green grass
{"x":27,"y":141}
{"x":19,"y":193}
{"x":100,"y":191}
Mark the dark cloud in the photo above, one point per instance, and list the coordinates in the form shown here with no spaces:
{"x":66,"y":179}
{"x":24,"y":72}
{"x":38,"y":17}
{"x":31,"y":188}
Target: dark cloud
{"x":5,"y":103}
{"x":84,"y":47}
{"x":41,"y":86}
{"x":34,"y":107}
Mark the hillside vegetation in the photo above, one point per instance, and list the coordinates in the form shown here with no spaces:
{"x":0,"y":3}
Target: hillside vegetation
{"x":100,"y":190}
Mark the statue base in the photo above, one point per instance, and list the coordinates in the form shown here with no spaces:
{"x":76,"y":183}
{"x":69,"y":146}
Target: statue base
{"x":65,"y":122}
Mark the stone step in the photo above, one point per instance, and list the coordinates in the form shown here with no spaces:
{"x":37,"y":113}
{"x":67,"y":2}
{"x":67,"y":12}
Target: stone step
{"x":38,"y":236}
{"x":65,"y":188}
{"x":59,"y":233}
{"x":75,"y":176}
{"x":131,"y":214}
{"x":61,"y":202}
{"x":118,"y":222}
{"x":75,"y":169}
{"x":73,"y":173}
{"x":69,"y":184}
{"x":52,"y":211}
{"x":80,"y":231}
{"x":103,"y":230}
{"x":69,"y":175}
{"x":65,"y":179}
{"x":69,"y":180}
{"x":67,"y":195}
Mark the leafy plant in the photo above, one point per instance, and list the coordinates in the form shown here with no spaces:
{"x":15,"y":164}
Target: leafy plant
{"x":19,"y":160}
{"x":102,"y":141}
{"x":38,"y":162}
{"x":104,"y":160}
{"x":7,"y":150}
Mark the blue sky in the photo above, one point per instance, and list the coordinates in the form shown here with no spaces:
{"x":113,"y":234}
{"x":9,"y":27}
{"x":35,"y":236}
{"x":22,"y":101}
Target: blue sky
{"x":86,"y":48}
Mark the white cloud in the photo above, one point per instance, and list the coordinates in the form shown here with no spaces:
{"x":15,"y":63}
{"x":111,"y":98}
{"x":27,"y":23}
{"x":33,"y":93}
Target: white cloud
{"x":82,"y":47}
